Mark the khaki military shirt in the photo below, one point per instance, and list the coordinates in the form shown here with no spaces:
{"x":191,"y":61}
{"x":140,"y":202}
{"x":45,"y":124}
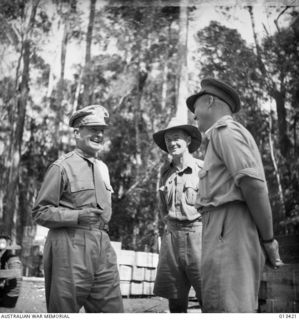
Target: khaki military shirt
{"x":178,"y":191}
{"x":231,"y":154}
{"x":67,"y":188}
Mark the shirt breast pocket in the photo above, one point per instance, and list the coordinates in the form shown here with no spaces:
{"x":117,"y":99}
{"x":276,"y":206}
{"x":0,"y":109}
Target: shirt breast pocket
{"x":191,"y":190}
{"x":82,"y":191}
{"x":81,"y":185}
{"x":167,"y":191}
{"x":204,"y":184}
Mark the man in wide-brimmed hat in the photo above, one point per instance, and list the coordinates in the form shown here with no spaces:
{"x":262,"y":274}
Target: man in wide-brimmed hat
{"x":233,"y":199}
{"x":74,"y":202}
{"x":180,"y":255}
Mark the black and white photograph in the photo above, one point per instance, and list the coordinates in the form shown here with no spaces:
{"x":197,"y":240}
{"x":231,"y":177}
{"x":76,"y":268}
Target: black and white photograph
{"x":149,"y":158}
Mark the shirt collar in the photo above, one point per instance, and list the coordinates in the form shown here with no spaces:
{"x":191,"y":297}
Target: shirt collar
{"x":222,"y":119}
{"x":188,"y":164}
{"x":84,"y":155}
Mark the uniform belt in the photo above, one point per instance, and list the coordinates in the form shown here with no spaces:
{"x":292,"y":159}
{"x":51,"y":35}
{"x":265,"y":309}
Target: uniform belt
{"x":206,"y":209}
{"x":182,"y":223}
{"x":100,"y":225}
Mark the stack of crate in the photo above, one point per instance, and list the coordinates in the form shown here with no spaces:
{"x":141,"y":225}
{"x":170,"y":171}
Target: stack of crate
{"x":279,"y":290}
{"x":145,"y":272}
{"x":137,"y":271}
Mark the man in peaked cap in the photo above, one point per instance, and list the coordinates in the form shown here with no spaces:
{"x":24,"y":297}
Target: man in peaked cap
{"x":180,"y":255}
{"x":233,"y":199}
{"x":74,"y":202}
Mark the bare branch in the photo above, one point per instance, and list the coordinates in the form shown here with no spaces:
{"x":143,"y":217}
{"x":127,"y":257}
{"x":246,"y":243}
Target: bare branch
{"x":266,"y":30}
{"x":281,"y":13}
{"x":122,"y":99}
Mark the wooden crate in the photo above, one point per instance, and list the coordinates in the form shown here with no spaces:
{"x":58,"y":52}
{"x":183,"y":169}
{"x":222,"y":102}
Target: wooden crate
{"x":116,"y":245}
{"x":152,"y":260}
{"x":281,"y":283}
{"x":136,"y":288}
{"x":138,"y":273}
{"x":280,"y":306}
{"x":125,"y":288}
{"x":279,"y":289}
{"x":148,"y":288}
{"x":142,"y":259}
{"x":150,"y":274}
{"x":146,"y":259}
{"x":126,"y":257}
{"x":125,"y":272}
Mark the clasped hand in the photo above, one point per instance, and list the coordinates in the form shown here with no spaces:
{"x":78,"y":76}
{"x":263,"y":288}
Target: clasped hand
{"x":89,"y":216}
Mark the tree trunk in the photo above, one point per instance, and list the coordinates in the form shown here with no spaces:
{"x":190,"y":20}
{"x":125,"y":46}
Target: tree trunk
{"x":11,"y":199}
{"x":78,"y":89}
{"x":182,"y":91}
{"x":295,"y":135}
{"x":277,"y":174}
{"x":156,"y":211}
{"x":64,"y":43}
{"x":90,"y":31}
{"x":257,"y":46}
{"x":60,"y":87}
{"x":88,"y":77}
{"x":165,"y":73}
{"x":164,"y":87}
{"x":278,"y":95}
{"x":58,"y":30}
{"x":284,"y":142}
{"x":141,"y":79}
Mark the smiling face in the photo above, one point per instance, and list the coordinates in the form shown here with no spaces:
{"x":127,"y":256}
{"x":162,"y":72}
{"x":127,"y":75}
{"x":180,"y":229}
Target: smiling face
{"x":90,"y":139}
{"x":177,"y":142}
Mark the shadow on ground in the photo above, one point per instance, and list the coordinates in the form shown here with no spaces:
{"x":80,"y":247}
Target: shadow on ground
{"x":32,"y":300}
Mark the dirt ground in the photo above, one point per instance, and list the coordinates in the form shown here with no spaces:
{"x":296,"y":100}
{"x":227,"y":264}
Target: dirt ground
{"x":32,"y":300}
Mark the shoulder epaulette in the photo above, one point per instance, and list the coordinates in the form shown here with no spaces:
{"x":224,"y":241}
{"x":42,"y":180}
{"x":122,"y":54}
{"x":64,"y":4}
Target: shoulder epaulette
{"x":221,"y":124}
{"x":63,"y":157}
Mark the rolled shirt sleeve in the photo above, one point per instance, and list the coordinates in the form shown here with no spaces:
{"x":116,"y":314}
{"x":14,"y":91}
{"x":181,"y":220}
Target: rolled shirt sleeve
{"x":239,"y":153}
{"x":47,"y":210}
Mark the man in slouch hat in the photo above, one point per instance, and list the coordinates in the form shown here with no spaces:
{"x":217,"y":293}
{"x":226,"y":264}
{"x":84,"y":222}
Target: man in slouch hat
{"x":180,"y":255}
{"x":74,"y":202}
{"x":233,"y":199}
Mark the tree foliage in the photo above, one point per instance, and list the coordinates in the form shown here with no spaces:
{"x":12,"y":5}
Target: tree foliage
{"x":132,"y":69}
{"x":222,"y":53}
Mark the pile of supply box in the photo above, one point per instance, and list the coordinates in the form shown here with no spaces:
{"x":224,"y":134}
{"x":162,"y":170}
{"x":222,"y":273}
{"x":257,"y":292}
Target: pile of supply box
{"x":137,"y":271}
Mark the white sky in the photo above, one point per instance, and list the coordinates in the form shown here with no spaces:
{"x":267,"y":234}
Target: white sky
{"x":201,"y":18}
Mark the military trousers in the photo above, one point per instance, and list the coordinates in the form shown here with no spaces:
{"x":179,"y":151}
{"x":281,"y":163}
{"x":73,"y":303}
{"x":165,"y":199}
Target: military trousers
{"x":179,"y":261}
{"x":232,"y":260}
{"x":81,"y":270}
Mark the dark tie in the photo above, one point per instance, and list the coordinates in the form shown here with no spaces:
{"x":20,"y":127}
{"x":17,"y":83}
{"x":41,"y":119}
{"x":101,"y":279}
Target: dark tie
{"x":103,"y":195}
